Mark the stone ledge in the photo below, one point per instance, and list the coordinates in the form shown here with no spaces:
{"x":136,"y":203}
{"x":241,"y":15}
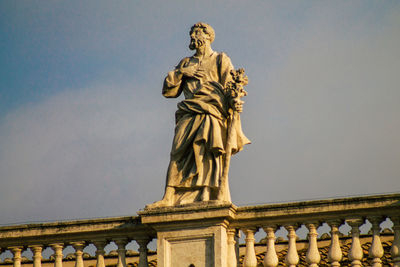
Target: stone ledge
{"x":64,"y":232}
{"x":191,"y":212}
{"x":385,"y":205}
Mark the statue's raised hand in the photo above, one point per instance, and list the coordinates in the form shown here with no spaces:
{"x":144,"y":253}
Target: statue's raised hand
{"x":192,"y":72}
{"x":237,"y":104}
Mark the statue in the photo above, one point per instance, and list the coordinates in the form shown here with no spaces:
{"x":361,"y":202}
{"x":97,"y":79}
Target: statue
{"x":208,"y":128}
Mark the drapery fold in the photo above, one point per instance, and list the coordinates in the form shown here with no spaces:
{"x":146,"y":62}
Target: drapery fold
{"x":201,"y":128}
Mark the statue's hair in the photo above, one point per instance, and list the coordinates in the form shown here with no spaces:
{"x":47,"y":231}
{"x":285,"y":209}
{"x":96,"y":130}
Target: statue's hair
{"x":207,"y":29}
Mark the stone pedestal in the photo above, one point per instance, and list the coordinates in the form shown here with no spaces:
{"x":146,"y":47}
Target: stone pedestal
{"x":191,"y":235}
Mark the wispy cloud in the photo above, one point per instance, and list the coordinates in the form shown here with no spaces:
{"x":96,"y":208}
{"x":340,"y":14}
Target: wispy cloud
{"x":325,"y":123}
{"x":322,"y":109}
{"x":82,"y":153}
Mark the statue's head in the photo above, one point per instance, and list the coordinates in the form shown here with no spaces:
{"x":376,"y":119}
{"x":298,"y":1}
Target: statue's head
{"x":201,"y":34}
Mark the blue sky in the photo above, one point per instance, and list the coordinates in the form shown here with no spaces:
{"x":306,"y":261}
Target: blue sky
{"x":85,"y":132}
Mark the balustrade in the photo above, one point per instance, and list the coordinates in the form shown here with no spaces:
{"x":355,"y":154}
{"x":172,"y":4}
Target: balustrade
{"x":37,"y":255}
{"x":143,"y":252}
{"x":121,"y":243}
{"x":16,"y":251}
{"x":270,"y":259}
{"x":100,"y":244}
{"x":232,"y":259}
{"x":376,"y":249}
{"x":311,"y":214}
{"x":303,"y":217}
{"x":78,"y":246}
{"x":250,"y":259}
{"x":335,"y":252}
{"x":313,"y":256}
{"x":395,"y":250}
{"x":292,"y":257}
{"x":356,"y":252}
{"x":58,"y":255}
{"x":77,"y":234}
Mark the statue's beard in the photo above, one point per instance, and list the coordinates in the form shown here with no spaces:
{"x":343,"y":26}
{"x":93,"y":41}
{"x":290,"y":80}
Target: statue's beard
{"x":196,"y":43}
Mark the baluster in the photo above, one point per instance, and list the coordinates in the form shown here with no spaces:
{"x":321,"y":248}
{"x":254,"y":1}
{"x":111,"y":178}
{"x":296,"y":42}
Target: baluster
{"x":356,"y":252}
{"x":143,"y":252}
{"x":232,"y":260}
{"x":100,"y":244}
{"x":270,"y":258}
{"x":37,"y":255}
{"x":376,"y":249}
{"x":58,"y":256}
{"x":335,"y":253}
{"x":312,"y":257}
{"x":292,"y":257}
{"x":78,"y":246}
{"x":395,"y":250}
{"x":121,"y":243}
{"x":16,"y":251}
{"x":250,"y":259}
{"x":237,"y":246}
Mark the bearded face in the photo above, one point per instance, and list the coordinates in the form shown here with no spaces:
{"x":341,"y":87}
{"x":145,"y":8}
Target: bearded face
{"x":197,"y":39}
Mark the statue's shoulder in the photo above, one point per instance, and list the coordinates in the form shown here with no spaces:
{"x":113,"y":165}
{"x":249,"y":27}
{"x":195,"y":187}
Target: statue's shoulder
{"x":183,"y":62}
{"x":186,"y":59}
{"x":222,"y":56}
{"x":223,"y":59}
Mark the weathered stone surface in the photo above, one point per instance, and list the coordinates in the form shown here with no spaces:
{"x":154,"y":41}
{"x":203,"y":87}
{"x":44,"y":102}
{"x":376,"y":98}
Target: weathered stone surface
{"x":208,"y":128}
{"x":203,"y":227}
{"x":69,"y":231}
{"x":324,"y":210}
{"x":197,"y":213}
{"x":194,"y":234}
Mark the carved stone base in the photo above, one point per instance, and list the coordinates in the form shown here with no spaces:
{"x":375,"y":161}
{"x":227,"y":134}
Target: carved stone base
{"x":191,"y":235}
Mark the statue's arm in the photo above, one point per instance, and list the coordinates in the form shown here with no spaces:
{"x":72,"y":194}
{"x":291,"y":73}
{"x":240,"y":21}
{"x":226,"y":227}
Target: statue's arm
{"x":172,"y":83}
{"x":225,"y":68}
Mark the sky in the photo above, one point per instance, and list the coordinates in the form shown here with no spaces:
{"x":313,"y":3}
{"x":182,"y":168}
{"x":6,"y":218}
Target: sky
{"x":86,"y":133}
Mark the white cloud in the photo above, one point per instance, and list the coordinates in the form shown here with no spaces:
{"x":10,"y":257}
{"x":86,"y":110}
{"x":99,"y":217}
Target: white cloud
{"x":82,"y":153}
{"x":326,"y":123}
{"x":322,"y":113}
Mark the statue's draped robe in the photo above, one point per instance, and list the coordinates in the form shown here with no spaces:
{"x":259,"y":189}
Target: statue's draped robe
{"x":201,"y":128}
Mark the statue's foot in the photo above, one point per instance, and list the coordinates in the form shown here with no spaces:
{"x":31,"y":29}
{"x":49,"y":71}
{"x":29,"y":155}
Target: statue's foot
{"x":159,"y":204}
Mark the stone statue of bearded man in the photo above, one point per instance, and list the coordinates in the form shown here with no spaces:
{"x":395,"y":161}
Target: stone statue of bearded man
{"x":199,"y":146}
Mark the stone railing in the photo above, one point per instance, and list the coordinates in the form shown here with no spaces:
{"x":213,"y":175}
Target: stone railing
{"x":311,"y":218}
{"x":78,"y":234}
{"x":353,"y":212}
